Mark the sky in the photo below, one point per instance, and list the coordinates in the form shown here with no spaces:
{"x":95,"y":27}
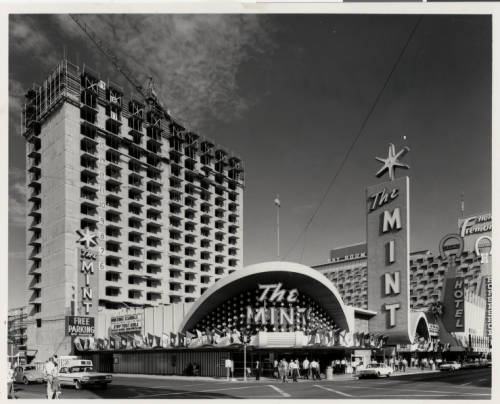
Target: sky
{"x":288,"y":93}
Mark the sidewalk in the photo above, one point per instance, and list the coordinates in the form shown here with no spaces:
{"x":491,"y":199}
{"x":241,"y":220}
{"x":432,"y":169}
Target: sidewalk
{"x":336,"y":377}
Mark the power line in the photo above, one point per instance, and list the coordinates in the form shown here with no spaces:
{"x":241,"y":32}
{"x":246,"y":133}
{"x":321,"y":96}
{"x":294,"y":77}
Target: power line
{"x":356,"y":138}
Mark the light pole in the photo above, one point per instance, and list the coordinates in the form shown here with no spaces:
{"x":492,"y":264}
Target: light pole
{"x":244,"y":360}
{"x":278,"y":204}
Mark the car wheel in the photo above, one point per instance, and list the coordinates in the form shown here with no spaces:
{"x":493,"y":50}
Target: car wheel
{"x":78,"y":385}
{"x":378,"y":374}
{"x":25,"y":380}
{"x":388,"y":374}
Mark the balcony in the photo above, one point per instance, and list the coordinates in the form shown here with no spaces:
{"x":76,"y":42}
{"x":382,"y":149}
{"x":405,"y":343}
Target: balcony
{"x":152,"y":268}
{"x":35,"y":196}
{"x":135,"y":194}
{"x":35,"y":224}
{"x":153,"y":200}
{"x":34,"y":180}
{"x":153,"y":296}
{"x":154,"y":228}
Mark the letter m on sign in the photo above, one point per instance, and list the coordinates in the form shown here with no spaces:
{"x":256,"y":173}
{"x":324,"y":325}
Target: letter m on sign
{"x":87,"y":267}
{"x":391,"y":221}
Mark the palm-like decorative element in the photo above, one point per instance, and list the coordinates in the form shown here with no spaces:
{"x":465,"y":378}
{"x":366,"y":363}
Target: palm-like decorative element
{"x":436,"y":309}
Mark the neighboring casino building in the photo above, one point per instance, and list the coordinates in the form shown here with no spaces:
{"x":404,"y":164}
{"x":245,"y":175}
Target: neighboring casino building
{"x":126,"y":208}
{"x":347,"y":269}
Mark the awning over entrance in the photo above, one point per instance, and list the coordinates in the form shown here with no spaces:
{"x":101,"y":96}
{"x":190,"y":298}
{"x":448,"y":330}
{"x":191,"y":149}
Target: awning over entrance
{"x":419,"y":325}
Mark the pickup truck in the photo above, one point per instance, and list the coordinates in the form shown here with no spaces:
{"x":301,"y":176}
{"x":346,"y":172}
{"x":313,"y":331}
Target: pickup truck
{"x":80,"y":373}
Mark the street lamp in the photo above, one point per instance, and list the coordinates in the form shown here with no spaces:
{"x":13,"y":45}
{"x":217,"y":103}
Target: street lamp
{"x":245,"y":339}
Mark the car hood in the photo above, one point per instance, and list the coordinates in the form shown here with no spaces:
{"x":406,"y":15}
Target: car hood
{"x":88,"y":374}
{"x":34,"y":374}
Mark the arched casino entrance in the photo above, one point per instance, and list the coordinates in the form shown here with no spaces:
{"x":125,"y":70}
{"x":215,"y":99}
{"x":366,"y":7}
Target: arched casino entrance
{"x":278,"y":310}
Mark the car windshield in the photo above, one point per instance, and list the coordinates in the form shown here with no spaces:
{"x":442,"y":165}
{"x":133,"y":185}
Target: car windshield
{"x":374,"y":365}
{"x":76,"y":369}
{"x":29,"y":368}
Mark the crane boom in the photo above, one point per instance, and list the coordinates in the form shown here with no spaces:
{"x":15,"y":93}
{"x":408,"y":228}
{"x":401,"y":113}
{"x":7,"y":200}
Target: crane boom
{"x":147,"y":93}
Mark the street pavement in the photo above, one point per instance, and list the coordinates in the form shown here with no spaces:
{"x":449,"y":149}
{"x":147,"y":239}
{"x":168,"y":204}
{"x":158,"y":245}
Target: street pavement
{"x":467,"y":384}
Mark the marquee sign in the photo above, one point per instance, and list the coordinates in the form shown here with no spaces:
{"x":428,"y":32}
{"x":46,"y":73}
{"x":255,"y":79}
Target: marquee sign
{"x":387,"y":228}
{"x":277,"y":316}
{"x":267,"y":315}
{"x":126,"y":323}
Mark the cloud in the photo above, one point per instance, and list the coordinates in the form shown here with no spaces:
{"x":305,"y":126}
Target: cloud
{"x":17,"y":198}
{"x":16,"y":95}
{"x":27,"y":36}
{"x":195,"y":59}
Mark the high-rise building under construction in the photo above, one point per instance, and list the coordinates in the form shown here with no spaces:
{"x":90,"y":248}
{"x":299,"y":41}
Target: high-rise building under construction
{"x":158,"y":205}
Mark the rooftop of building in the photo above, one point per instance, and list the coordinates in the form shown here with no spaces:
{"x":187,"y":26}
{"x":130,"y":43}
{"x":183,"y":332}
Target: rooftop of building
{"x":66,"y":83}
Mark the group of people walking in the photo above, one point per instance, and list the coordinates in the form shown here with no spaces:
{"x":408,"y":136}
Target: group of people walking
{"x":283,"y":370}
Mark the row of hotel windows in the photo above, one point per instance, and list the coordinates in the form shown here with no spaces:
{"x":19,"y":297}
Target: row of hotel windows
{"x":113,"y":261}
{"x":113,"y":125}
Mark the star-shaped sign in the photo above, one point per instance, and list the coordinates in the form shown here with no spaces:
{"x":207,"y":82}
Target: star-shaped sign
{"x":391,"y":162}
{"x":87,"y":238}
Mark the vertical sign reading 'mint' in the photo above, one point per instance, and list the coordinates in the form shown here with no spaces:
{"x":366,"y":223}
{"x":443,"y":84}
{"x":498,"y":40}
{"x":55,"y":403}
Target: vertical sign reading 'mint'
{"x":388,"y":237}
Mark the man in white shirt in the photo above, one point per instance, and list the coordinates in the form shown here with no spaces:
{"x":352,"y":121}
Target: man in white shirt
{"x":10,"y":381}
{"x":305,"y":366}
{"x":50,"y":371}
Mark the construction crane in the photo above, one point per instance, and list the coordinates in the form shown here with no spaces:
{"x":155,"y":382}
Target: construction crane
{"x":147,"y":91}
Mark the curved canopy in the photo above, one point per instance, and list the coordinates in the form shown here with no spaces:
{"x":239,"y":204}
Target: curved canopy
{"x":293,"y":275}
{"x":418,"y":321}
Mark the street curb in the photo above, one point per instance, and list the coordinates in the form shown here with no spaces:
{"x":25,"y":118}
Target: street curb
{"x":252,"y":379}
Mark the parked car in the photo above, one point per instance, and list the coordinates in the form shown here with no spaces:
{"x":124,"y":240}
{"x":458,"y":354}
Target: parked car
{"x":28,"y":374}
{"x":450,"y":366}
{"x":375,"y":370}
{"x":80,"y":373}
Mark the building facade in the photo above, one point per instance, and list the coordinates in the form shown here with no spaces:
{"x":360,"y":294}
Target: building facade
{"x":347,"y":269}
{"x":160,"y":207}
{"x":16,"y":330}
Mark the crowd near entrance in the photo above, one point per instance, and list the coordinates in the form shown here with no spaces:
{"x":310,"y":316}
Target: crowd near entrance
{"x":312,"y":363}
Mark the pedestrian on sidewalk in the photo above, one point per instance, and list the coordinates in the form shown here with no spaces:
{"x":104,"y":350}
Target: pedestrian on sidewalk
{"x":51,"y":372}
{"x":315,"y":369}
{"x":227,"y":365}
{"x":305,"y":367}
{"x":275,"y":369}
{"x":11,"y":375}
{"x":257,"y":370}
{"x":294,"y":370}
{"x":405,"y":364}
